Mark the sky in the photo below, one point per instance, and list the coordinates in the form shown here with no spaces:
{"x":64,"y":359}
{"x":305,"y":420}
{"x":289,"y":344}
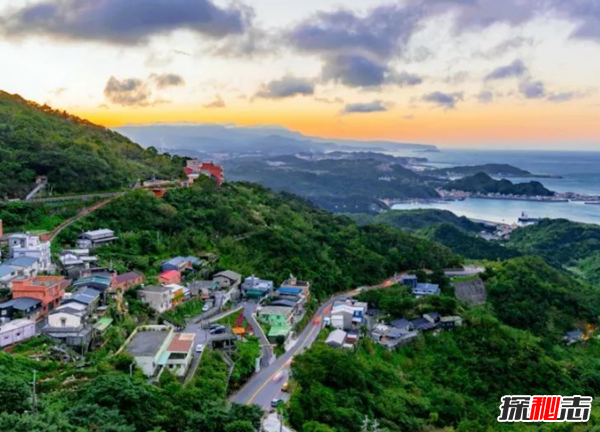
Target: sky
{"x":463,"y":73}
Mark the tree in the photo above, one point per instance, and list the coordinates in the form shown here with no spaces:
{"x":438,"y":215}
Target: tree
{"x":14,"y":394}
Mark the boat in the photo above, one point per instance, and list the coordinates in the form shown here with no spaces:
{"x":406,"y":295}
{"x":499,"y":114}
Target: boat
{"x":525,"y":219}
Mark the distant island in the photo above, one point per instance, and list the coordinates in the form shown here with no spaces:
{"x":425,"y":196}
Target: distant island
{"x":492,"y":169}
{"x":484,"y":184}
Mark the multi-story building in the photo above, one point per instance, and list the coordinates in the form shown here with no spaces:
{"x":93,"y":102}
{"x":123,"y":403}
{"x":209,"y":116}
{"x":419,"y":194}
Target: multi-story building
{"x":25,"y":245}
{"x":48,"y":289}
{"x":93,"y":239}
{"x":159,"y":298}
{"x":348,"y":314}
{"x":254,"y":287}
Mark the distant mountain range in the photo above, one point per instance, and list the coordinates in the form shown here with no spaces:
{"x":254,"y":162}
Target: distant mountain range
{"x":202,"y":139}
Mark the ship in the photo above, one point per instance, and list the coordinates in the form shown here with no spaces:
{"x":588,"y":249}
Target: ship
{"x":525,"y":219}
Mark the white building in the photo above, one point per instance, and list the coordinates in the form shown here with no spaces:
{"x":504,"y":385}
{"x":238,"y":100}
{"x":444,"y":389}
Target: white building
{"x":69,"y":315}
{"x":348,"y":314}
{"x":25,"y":245}
{"x":93,"y":239}
{"x":16,"y":331}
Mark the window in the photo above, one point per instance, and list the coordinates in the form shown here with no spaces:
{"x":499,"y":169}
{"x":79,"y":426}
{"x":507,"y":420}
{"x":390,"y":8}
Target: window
{"x":63,"y":322}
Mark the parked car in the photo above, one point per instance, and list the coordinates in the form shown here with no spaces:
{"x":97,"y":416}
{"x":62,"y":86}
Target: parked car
{"x":199,"y":348}
{"x":205,"y":308}
{"x":218,"y":330}
{"x":276,"y":402}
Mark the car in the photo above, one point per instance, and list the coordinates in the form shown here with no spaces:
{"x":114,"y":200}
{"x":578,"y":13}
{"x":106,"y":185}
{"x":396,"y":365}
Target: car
{"x":276,"y":402}
{"x":214,"y":326}
{"x":285,"y":387}
{"x":218,"y":330}
{"x":199,"y":348}
{"x":205,"y":308}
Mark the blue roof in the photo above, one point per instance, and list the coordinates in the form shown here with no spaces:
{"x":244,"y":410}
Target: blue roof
{"x":289,"y":290}
{"x":400,"y":323}
{"x":22,"y":303}
{"x":427,"y":287}
{"x":21,"y":261}
{"x":6,"y":270}
{"x":175,"y":261}
{"x":86,"y":296}
{"x":94,"y":279}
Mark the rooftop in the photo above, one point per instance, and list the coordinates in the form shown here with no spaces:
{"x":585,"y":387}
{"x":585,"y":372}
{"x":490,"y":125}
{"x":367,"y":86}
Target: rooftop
{"x":155,"y":289}
{"x":147,"y":342}
{"x":182,"y":342}
{"x":22,"y":303}
{"x":6,"y":270}
{"x":21,"y":261}
{"x":16,"y":324}
{"x":279,"y":331}
{"x":229,"y":274}
{"x":169,"y":274}
{"x":128,"y":277}
{"x":275,"y":310}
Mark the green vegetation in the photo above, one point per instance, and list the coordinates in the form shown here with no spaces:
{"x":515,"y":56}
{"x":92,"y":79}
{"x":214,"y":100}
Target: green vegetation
{"x":489,"y":169}
{"x":454,"y":381}
{"x":341,"y":186}
{"x":183,"y":311}
{"x":483,"y":183}
{"x":256,"y":231}
{"x":244,"y":358}
{"x":564,"y":244}
{"x":75,"y":155}
{"x":414,"y":220}
{"x":38,"y":217}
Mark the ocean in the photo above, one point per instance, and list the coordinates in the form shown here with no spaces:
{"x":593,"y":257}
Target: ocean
{"x":580,"y":172}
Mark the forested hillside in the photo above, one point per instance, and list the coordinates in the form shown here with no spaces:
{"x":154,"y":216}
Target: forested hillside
{"x":75,"y":155}
{"x":257,"y":231}
{"x":483,"y":183}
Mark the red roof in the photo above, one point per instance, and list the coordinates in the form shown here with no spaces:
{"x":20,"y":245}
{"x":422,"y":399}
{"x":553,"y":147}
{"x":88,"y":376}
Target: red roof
{"x":181,"y":342}
{"x":170,"y":274}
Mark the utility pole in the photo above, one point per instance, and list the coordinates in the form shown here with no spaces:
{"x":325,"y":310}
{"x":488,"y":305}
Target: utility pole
{"x":131,"y":370}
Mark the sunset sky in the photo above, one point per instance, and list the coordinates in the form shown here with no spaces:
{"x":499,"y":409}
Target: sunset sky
{"x":466,"y":73}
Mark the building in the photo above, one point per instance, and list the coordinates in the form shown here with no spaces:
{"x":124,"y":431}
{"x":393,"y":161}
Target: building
{"x":449,"y":322}
{"x":159,"y":298}
{"x":88,"y":297}
{"x":25,"y":245}
{"x":402,"y":324}
{"x":67,"y":324}
{"x":279,"y":333}
{"x":179,"y":353}
{"x":178,"y":293}
{"x":293,"y":282}
{"x":93,"y":239}
{"x":181,"y":263}
{"x":203,"y":288}
{"x":155,"y":348}
{"x":254,"y":287}
{"x":24,"y":307}
{"x":574,"y":336}
{"x":348,"y":314}
{"x":228,"y":279}
{"x":195,"y":168}
{"x":146,"y":345}
{"x":16,"y":331}
{"x":275,"y":315}
{"x":75,"y":261}
{"x":7,"y":275}
{"x":423,"y":324}
{"x":170,"y":277}
{"x":125,"y":281}
{"x":26,"y":266}
{"x":426,"y":289}
{"x":102,"y":282}
{"x":48,"y":289}
{"x":409,"y":281}
{"x":336,"y":338}
{"x":392,"y":338}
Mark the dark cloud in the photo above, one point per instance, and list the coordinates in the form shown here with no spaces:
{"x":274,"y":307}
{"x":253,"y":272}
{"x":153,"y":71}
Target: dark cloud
{"x":485,"y":96}
{"x":126,"y":22}
{"x":369,"y":107}
{"x":285,"y":87}
{"x":127,"y":92}
{"x":445,"y":100}
{"x":506,"y":47}
{"x":532,"y":89}
{"x":217,"y":103}
{"x":514,"y":70}
{"x":167,"y":80}
{"x":404,"y":79}
{"x":354,"y":71}
{"x":585,"y":12}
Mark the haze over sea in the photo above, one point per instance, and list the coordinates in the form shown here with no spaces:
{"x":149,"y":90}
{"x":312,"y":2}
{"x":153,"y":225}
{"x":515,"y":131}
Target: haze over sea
{"x":580,"y":172}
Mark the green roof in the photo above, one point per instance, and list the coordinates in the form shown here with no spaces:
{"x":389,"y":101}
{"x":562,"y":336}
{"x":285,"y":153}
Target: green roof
{"x":279,"y":331}
{"x":103,"y":324}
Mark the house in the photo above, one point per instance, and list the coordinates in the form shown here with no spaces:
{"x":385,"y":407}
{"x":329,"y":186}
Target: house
{"x":203,"y":288}
{"x":159,"y":298}
{"x":16,"y":331}
{"x":432,"y":317}
{"x":179,"y":353}
{"x":93,"y":239}
{"x":101,"y":282}
{"x":25,"y":265}
{"x":24,"y":307}
{"x":293,"y":282}
{"x":277,"y":333}
{"x":336,"y":338}
{"x":125,"y":281}
{"x":409,"y":281}
{"x":146,"y":345}
{"x":88,"y":297}
{"x":67,"y":325}
{"x":423,"y":324}
{"x":177,"y":293}
{"x":284,"y":302}
{"x":402,"y":324}
{"x":426,"y":289}
{"x":48,"y":289}
{"x":7,"y":275}
{"x":75,"y":261}
{"x":25,"y":245}
{"x":228,"y":279}
{"x":351,"y":338}
{"x":68,"y":315}
{"x":449,"y":322}
{"x":348,"y":314}
{"x":275,"y":315}
{"x":254,"y":287}
{"x":574,"y":336}
{"x":181,"y":264}
{"x":391,"y":338}
{"x":169,"y":277}
{"x":194,"y":168}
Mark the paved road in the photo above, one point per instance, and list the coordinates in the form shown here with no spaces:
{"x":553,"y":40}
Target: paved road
{"x":266,"y":385}
{"x":267,"y":349}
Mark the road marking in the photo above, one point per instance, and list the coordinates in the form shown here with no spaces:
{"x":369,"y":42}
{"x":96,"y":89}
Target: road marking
{"x":279,"y":369}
